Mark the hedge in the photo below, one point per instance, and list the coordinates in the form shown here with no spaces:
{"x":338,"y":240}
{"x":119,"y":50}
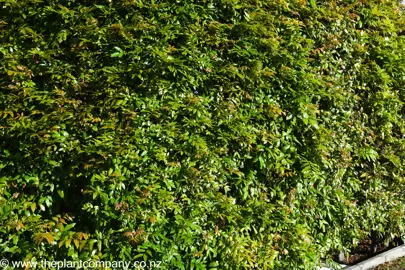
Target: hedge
{"x":206,"y":134}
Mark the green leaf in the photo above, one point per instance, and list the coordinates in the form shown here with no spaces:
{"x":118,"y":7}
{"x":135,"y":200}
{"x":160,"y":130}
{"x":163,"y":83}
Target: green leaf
{"x":33,"y":207}
{"x":61,"y":193}
{"x":69,"y":226}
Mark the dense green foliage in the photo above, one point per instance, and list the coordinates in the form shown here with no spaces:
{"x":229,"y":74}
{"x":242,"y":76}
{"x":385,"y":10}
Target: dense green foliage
{"x":226,"y":134}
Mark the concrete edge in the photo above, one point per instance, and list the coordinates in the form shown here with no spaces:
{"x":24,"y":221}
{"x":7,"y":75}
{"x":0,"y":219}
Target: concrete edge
{"x":325,"y":267}
{"x":375,"y":261}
